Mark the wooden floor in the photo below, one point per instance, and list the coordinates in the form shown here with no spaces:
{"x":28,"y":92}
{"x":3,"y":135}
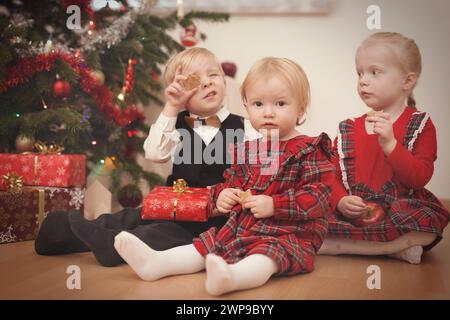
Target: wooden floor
{"x":26,"y":275}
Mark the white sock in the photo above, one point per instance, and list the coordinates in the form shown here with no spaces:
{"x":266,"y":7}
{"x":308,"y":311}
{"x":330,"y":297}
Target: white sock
{"x":251,"y":272}
{"x":152,"y":265}
{"x":412,"y":255}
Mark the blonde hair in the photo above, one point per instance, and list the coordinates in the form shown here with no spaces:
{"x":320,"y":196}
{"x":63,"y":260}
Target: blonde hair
{"x":288,"y":70}
{"x":184,"y":59}
{"x":405,"y":51}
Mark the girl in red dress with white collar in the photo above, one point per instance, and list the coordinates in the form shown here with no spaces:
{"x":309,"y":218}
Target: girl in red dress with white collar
{"x":386,"y":157}
{"x":281,"y":225}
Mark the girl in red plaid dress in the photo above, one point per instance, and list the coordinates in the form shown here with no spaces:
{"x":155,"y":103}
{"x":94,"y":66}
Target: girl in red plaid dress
{"x":281,"y":225}
{"x":386,"y":157}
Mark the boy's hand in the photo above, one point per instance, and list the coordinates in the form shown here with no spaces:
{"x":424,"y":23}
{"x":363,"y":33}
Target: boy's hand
{"x":383,"y":127}
{"x":227,"y":199}
{"x":351,"y":206}
{"x":261,"y":206}
{"x":176,"y":94}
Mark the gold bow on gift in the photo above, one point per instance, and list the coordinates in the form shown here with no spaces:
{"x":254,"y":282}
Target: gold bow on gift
{"x":14,"y":182}
{"x":180,"y":186}
{"x":48,"y":149}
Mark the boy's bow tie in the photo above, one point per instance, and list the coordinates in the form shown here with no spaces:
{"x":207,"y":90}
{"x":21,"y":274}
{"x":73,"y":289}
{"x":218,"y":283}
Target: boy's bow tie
{"x":212,"y":121}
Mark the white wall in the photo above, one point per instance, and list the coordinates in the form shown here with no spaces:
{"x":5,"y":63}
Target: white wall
{"x":325,"y":47}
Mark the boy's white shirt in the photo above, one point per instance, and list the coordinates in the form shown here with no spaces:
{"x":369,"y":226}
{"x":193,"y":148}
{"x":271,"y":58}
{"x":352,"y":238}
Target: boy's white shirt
{"x":163,"y":137}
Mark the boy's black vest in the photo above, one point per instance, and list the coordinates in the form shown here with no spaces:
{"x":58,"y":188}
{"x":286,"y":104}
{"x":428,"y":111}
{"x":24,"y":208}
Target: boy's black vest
{"x":196,"y":172}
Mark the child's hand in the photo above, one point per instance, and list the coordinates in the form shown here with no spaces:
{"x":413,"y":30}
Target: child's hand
{"x":176,"y":94}
{"x":261,"y":206}
{"x":227,"y":199}
{"x":351,"y":206}
{"x":383,"y":127}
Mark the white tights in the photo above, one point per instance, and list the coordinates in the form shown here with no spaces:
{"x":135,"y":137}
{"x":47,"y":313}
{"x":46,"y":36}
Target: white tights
{"x":221,"y":277}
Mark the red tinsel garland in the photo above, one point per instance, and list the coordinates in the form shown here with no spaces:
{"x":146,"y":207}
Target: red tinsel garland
{"x":26,"y":67}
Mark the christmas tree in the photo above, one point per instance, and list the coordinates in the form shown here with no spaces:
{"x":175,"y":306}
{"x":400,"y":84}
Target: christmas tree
{"x":75,"y":77}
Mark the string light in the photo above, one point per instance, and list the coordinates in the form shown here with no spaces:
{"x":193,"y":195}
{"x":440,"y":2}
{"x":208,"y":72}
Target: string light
{"x":102,"y":161}
{"x":44,"y":104}
{"x":91,"y":25}
{"x":17,"y":115}
{"x":94,"y":142}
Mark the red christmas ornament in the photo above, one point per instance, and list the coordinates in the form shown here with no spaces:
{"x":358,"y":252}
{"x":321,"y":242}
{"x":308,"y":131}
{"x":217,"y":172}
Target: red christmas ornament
{"x":373,"y":214}
{"x":188,"y":36}
{"x":62,"y":88}
{"x":229,"y":68}
{"x":129,"y":78}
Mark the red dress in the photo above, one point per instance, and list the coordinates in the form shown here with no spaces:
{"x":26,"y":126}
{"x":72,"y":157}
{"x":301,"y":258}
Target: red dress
{"x":301,"y":191}
{"x":396,"y":182}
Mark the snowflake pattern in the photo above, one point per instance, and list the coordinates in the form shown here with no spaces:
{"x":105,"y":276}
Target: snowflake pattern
{"x":59,"y":202}
{"x":155,"y":204}
{"x":77,"y":198}
{"x":16,"y":210}
{"x":167,"y":205}
{"x":8,"y":236}
{"x":61,"y":171}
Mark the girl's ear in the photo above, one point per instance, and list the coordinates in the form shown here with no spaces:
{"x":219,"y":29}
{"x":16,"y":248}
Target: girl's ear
{"x":301,"y":118}
{"x":410,"y":81}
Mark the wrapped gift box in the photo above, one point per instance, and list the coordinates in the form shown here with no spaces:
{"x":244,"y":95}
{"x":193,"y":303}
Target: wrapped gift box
{"x":166,"y":203}
{"x":22,"y":212}
{"x":59,"y":170}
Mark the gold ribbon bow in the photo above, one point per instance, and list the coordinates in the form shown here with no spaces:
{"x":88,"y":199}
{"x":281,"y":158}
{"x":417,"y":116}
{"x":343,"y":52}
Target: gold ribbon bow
{"x":48,"y":149}
{"x":14,"y":182}
{"x":179,"y":186}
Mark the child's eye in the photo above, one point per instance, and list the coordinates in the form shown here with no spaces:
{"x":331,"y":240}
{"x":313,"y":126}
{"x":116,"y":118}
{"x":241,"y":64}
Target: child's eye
{"x":375,"y":72}
{"x":258,"y":103}
{"x":281,"y":103}
{"x":213,"y":74}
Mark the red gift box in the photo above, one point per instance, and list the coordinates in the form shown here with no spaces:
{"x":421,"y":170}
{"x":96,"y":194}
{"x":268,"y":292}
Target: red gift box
{"x":62,"y":170}
{"x":21,"y":212}
{"x":180,"y":204}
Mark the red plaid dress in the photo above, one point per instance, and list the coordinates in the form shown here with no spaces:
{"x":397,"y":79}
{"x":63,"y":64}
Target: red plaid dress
{"x":396,"y":182}
{"x":301,"y":191}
